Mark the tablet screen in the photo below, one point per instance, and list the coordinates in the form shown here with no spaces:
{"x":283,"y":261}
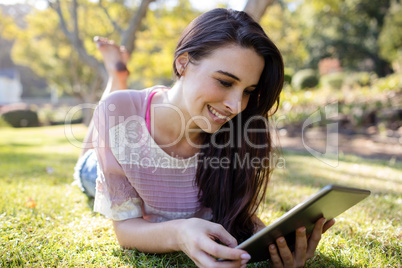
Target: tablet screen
{"x":329,"y":202}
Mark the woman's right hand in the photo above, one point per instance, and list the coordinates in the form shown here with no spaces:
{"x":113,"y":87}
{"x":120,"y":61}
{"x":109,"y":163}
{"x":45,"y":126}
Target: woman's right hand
{"x":197,"y":238}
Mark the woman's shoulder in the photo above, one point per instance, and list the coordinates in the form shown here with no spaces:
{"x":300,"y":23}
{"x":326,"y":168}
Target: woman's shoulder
{"x":129,"y":101}
{"x":127,"y":95}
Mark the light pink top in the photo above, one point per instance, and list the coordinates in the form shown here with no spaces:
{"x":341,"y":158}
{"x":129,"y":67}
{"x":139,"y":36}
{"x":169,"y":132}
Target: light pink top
{"x":136,"y":178}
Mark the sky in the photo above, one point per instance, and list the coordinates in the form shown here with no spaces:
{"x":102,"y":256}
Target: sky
{"x":199,"y":4}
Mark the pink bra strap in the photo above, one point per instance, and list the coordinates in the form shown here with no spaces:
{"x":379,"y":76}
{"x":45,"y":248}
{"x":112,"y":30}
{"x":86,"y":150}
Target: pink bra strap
{"x":148,"y":114}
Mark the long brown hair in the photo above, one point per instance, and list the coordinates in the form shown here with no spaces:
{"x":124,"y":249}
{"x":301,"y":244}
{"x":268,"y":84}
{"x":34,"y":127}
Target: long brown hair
{"x":234,"y":192}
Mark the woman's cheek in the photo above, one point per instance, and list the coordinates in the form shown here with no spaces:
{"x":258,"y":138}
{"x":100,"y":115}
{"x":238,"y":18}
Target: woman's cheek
{"x":245,"y":102}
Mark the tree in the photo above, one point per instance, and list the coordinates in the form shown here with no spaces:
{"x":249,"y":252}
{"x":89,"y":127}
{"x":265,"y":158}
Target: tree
{"x":282,"y":26}
{"x":6,"y":23}
{"x":46,"y":50}
{"x":127,"y":35}
{"x":152,"y":61}
{"x":347,"y":30}
{"x":257,"y":8}
{"x":57,"y":42}
{"x":390,"y":40}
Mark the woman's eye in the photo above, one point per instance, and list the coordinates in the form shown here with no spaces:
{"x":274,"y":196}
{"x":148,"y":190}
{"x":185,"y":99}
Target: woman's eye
{"x":248,"y":92}
{"x":224,"y":83}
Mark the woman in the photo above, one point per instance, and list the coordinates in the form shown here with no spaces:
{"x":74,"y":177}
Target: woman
{"x":177,"y":169}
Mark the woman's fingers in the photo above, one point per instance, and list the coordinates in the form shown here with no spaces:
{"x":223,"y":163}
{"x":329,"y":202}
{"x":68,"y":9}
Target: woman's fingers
{"x":305,"y":246}
{"x":210,"y":250}
{"x":205,"y":260}
{"x":222,"y":235}
{"x":220,"y":251}
{"x":226,"y":251}
{"x":198,"y":240}
{"x":275,"y":258}
{"x":207,"y":253}
{"x":284,"y":251}
{"x":300,"y":247}
{"x":315,"y":238}
{"x":328,"y":225}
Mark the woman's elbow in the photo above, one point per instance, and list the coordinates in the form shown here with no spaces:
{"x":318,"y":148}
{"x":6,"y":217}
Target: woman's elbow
{"x":122,"y":239}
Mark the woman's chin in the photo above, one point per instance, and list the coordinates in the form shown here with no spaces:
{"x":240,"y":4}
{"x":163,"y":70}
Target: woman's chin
{"x":211,"y":129}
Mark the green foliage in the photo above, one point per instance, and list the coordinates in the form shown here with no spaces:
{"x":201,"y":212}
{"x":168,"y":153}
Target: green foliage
{"x":283,"y":28}
{"x":52,"y":115}
{"x":21,"y":118}
{"x":44,"y":48}
{"x":7,"y":26}
{"x":288,"y":76}
{"x":390,"y":40}
{"x":357,"y":103}
{"x":305,"y":32}
{"x":347,"y":30}
{"x":390,"y":83}
{"x":303,"y":79}
{"x":152,"y":61}
{"x":361,"y":79}
{"x":333,"y":80}
{"x":3,"y":123}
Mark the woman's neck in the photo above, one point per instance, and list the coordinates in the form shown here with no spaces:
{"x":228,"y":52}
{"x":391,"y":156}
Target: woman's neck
{"x":169,"y":124}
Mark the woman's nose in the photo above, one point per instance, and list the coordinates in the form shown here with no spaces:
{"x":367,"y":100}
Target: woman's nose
{"x":233,"y":102}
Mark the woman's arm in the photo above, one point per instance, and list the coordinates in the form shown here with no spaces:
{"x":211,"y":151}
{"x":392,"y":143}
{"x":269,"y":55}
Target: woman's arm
{"x":142,"y":235}
{"x":87,"y":143}
{"x":195,"y":237}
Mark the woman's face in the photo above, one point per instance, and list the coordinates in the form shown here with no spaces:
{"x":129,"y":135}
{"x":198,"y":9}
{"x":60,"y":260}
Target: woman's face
{"x":217,"y":88}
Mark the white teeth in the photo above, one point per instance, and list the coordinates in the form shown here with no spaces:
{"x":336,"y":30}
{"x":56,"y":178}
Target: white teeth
{"x":216,"y":113}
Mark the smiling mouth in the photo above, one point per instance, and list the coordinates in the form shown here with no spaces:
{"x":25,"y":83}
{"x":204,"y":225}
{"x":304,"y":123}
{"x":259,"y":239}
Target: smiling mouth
{"x":217,"y":114}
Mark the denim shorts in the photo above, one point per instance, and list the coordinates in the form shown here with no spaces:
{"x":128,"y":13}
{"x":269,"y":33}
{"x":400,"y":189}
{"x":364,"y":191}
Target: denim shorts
{"x":86,"y":172}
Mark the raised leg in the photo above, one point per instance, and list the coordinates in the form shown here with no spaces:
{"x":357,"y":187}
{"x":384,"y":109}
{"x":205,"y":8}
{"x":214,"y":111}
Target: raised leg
{"x":115,"y":59}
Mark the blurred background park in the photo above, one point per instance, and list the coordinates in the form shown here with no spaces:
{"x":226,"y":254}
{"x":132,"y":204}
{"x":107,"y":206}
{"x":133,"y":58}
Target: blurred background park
{"x":342,"y":53}
{"x":348,"y":52}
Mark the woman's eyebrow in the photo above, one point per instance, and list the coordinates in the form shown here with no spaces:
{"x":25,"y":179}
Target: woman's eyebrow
{"x":232,"y":76}
{"x":229,"y":74}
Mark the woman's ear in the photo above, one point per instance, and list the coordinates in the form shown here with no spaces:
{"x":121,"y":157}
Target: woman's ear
{"x":181,"y":63}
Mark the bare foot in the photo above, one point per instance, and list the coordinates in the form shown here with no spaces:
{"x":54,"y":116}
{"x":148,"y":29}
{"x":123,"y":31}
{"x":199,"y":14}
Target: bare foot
{"x":115,"y":57}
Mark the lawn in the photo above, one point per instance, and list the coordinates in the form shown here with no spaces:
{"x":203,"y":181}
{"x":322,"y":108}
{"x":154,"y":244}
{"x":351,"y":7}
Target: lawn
{"x":45,"y":221}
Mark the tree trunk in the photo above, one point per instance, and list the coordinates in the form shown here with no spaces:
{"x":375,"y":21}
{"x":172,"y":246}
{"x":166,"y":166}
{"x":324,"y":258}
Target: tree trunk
{"x":257,"y":8}
{"x":128,"y":36}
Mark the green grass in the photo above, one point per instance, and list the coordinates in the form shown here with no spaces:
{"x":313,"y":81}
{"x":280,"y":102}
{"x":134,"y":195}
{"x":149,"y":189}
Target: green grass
{"x":62,"y":231}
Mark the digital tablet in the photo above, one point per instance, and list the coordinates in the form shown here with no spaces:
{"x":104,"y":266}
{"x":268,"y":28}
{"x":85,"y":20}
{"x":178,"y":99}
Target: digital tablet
{"x":329,"y":202}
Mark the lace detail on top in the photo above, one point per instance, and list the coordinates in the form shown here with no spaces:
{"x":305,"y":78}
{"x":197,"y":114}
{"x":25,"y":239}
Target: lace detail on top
{"x":127,"y":210}
{"x":132,"y":144}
